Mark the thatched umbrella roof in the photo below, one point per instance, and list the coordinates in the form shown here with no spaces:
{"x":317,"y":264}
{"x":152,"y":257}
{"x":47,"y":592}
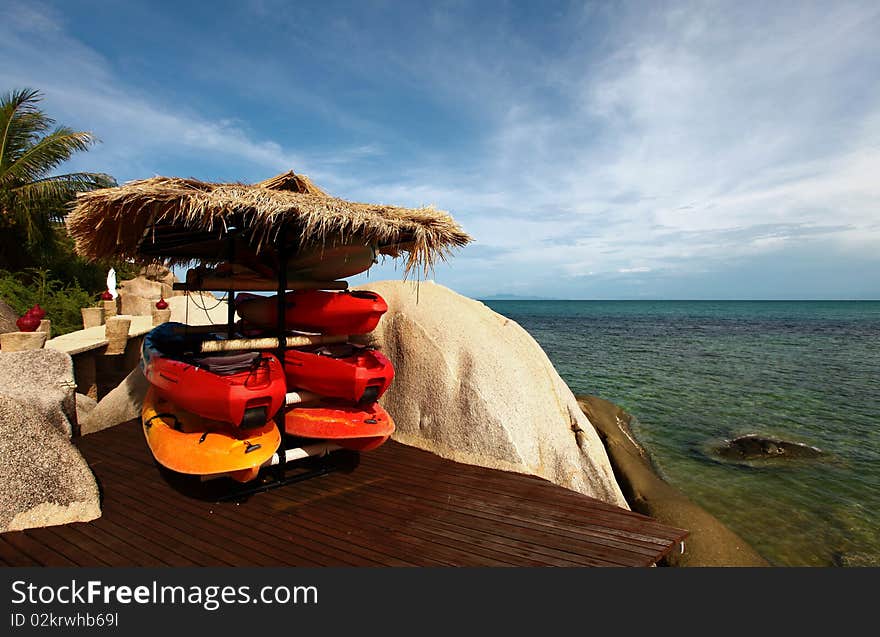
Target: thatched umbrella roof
{"x":185,"y":220}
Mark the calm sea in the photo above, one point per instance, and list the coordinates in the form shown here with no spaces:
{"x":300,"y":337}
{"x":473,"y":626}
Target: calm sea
{"x":694,"y":373}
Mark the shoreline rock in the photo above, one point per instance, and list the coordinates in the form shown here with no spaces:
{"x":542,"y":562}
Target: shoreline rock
{"x":710,"y":542}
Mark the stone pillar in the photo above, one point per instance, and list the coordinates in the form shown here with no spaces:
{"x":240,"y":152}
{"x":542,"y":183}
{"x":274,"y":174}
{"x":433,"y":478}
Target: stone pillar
{"x":110,"y":308}
{"x":92,"y":316}
{"x":116,"y":331}
{"x":161,"y":316}
{"x":19,"y":341}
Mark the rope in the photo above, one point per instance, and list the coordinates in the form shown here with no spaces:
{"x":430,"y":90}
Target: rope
{"x":204,"y":306}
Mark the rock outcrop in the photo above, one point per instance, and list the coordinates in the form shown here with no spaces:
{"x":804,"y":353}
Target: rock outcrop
{"x":120,"y":405}
{"x":710,"y":542}
{"x":42,"y":378}
{"x":84,"y":406}
{"x":473,"y":386}
{"x":8,"y":317}
{"x":138,"y":296}
{"x":44,"y":480}
{"x":199,"y":309}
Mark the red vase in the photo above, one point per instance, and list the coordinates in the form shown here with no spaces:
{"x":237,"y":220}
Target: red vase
{"x":106,"y":296}
{"x":37,"y":311}
{"x":162,"y":304}
{"x":28,"y":323}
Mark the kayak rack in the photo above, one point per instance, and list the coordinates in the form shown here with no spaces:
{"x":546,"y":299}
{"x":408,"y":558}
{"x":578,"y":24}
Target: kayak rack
{"x":316,"y":456}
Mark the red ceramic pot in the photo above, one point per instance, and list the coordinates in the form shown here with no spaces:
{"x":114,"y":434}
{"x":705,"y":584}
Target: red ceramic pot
{"x":28,"y":323}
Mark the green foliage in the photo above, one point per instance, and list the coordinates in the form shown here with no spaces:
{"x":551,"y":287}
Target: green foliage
{"x":68,"y":267}
{"x":61,"y":301}
{"x":33,"y":202}
{"x":37,"y":260}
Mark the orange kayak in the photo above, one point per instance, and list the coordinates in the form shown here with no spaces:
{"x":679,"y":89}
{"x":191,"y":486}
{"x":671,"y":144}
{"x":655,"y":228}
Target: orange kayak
{"x":187,"y":443}
{"x":361,"y":428}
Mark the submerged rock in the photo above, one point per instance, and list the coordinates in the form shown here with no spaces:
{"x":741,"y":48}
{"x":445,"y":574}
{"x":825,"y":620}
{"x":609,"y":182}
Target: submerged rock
{"x":860,"y":559}
{"x":757,"y":447}
{"x":473,"y":386}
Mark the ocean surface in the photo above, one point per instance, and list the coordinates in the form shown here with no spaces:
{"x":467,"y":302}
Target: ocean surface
{"x":694,"y":373}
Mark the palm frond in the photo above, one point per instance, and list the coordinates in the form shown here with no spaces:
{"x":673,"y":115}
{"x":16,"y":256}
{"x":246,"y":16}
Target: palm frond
{"x":21,"y":123}
{"x":53,"y":193}
{"x":49,"y":152}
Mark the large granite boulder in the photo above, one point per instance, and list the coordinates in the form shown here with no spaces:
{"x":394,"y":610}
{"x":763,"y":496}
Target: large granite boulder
{"x":42,"y":378}
{"x":8,"y":317}
{"x":199,"y":308}
{"x":475,"y":387}
{"x":138,"y":296}
{"x":43,"y":478}
{"x":120,"y":405}
{"x":44,"y":481}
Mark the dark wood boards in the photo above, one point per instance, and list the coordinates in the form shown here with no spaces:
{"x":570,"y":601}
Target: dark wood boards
{"x":398,"y":507}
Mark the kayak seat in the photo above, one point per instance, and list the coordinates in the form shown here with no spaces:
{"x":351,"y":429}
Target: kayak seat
{"x":226,"y":364}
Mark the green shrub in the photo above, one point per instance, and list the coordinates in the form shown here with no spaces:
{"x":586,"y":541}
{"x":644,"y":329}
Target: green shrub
{"x":62,"y":301}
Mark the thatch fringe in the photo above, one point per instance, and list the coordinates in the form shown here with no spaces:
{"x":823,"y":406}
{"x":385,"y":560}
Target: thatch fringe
{"x":111,"y":222}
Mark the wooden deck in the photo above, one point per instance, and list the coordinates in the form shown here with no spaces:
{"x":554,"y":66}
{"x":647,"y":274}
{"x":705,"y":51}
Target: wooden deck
{"x":398,"y":507}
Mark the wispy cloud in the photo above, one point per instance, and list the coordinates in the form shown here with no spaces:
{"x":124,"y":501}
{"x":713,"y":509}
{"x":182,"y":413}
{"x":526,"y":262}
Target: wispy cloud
{"x":596,"y":147}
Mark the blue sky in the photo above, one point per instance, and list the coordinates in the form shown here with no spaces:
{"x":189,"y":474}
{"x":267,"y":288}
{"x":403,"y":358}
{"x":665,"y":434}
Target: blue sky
{"x":593,"y":150}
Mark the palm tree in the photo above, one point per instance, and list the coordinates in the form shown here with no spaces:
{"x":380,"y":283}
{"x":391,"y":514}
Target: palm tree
{"x":32,"y":202}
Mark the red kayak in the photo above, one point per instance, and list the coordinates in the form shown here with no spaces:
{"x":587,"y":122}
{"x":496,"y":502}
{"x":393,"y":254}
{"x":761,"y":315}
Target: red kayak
{"x":361,"y":428}
{"x":330,"y":313}
{"x":245,"y":389}
{"x":347,"y":372}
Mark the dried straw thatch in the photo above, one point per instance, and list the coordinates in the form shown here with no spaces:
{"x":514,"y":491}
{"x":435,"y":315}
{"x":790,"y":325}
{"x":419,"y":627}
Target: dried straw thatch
{"x":185,"y":220}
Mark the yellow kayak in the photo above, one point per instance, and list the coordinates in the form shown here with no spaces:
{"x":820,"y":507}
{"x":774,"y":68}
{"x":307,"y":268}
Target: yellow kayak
{"x":187,"y":443}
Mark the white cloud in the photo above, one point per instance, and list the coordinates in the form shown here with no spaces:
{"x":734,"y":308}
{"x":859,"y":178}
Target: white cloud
{"x":618,"y":141}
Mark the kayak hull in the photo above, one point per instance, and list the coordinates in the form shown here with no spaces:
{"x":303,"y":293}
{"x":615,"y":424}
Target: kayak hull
{"x":330,"y":263}
{"x":346,"y":373}
{"x":330,"y":313}
{"x":253,"y":395}
{"x":187,"y":443}
{"x":361,"y":428}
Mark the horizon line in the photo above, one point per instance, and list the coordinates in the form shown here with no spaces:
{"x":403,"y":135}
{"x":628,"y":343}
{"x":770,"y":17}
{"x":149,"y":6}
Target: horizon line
{"x":689,"y":300}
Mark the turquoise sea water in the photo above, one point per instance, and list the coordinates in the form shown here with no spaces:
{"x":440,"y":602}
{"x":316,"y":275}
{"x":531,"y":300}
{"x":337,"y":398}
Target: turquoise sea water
{"x":693,"y":373}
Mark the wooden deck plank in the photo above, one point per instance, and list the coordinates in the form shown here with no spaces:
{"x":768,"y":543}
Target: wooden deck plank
{"x":468,"y":537}
{"x":487,"y":526}
{"x":399,"y":506}
{"x":509,"y":507}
